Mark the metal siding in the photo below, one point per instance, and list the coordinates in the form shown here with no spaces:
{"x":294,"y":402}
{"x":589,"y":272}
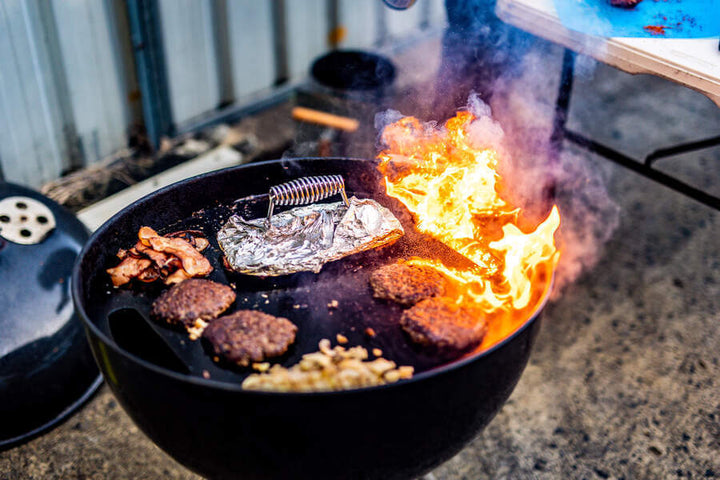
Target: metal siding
{"x":190,"y":58}
{"x":401,"y":23}
{"x":30,"y":134}
{"x":64,"y":81}
{"x":94,"y":75}
{"x":307,"y":25}
{"x":251,"y":45}
{"x":438,"y":14}
{"x":359,"y":19}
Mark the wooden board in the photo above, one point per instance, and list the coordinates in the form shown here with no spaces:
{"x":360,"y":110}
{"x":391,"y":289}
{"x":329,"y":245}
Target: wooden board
{"x":694,"y":63}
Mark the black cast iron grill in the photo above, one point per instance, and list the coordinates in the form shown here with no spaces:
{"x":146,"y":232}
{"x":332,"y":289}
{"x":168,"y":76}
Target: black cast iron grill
{"x":214,"y":427}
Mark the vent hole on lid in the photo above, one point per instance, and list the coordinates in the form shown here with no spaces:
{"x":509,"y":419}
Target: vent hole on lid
{"x":42,"y":219}
{"x":25,"y":233}
{"x":4,"y":219}
{"x":21,"y":205}
{"x":23,"y":218}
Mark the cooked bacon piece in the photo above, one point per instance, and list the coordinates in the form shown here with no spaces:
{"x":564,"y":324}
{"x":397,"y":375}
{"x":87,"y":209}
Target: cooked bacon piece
{"x":193,"y":262}
{"x":162,"y":260}
{"x":150,"y":274}
{"x":200,"y":243}
{"x":145,"y":234}
{"x":173,"y":258}
{"x":195,"y":237}
{"x":128,"y":269}
{"x":177,"y":276}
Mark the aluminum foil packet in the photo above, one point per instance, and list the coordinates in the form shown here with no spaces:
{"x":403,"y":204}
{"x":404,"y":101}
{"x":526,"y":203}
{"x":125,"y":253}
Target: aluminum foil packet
{"x":305,"y":238}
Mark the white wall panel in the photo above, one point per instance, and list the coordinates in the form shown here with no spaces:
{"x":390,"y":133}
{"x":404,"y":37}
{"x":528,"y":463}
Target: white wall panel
{"x":31,"y":148}
{"x":66,"y":72}
{"x":252,"y":52}
{"x":189,"y":57}
{"x":360,"y":21}
{"x":401,"y":23}
{"x":438,"y":15}
{"x":307,"y":33}
{"x":94,"y":75}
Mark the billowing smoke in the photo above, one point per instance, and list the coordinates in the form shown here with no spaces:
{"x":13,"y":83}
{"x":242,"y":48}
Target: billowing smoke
{"x":537,"y":169}
{"x":535,"y":175}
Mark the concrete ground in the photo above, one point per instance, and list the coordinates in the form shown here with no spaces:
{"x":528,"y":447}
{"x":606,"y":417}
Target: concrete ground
{"x":623,"y":381}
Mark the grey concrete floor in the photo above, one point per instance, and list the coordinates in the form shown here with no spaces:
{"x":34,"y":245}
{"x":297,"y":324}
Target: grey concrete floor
{"x":623,"y":381}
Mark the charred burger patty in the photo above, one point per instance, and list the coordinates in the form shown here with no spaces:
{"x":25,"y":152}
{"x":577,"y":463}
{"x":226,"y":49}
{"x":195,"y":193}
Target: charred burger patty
{"x":192,"y":300}
{"x":248,"y":336}
{"x":406,"y":284}
{"x":444,"y":326}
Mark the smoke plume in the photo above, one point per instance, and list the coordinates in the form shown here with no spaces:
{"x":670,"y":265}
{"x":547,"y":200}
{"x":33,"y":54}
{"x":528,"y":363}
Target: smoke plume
{"x":517,"y":123}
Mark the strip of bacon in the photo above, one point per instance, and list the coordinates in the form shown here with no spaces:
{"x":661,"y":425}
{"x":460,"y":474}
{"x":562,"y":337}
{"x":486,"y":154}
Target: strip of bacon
{"x":177,"y":276}
{"x":161,"y":259}
{"x":195,"y":237}
{"x":173,"y":258}
{"x":128,"y":269}
{"x":193,"y":262}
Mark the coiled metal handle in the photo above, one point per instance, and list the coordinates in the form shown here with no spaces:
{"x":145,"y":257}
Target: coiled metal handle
{"x":303,"y":191}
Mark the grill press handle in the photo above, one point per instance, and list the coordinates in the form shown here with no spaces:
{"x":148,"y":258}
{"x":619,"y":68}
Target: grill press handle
{"x":305,"y":190}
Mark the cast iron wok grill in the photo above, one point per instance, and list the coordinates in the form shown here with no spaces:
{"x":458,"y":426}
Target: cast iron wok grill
{"x":196,"y":410}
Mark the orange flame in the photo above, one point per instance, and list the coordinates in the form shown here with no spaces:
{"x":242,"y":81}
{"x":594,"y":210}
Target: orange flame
{"x":451,"y":187}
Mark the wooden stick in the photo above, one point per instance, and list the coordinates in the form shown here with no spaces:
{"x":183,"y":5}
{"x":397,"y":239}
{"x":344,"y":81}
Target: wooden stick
{"x":323,"y":118}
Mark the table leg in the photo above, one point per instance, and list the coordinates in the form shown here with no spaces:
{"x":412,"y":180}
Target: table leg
{"x":562,"y":105}
{"x":681,"y":148}
{"x":560,"y":133}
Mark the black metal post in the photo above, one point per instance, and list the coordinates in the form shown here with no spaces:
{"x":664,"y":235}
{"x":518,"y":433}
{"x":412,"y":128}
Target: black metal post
{"x":630,"y":163}
{"x":560,"y":133}
{"x":562,"y":105}
{"x":282,"y":69}
{"x":221,"y":42}
{"x":145,"y":30}
{"x":681,"y":148}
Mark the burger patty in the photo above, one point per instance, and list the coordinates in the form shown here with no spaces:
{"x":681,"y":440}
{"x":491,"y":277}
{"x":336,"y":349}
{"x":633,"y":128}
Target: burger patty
{"x":195,"y":299}
{"x":444,"y":326}
{"x":248,"y":336}
{"x":407,"y":284}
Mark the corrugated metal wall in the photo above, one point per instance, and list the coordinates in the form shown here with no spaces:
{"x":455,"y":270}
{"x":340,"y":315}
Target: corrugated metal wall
{"x":68,"y":79}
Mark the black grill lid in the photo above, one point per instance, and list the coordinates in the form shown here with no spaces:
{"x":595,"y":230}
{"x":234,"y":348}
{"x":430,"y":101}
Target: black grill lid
{"x":46,"y":367}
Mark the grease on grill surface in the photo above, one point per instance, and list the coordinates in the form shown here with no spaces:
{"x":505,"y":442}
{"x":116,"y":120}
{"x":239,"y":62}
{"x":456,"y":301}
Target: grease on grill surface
{"x":192,"y":304}
{"x":306,"y":238}
{"x":249,"y":336}
{"x":407,"y":284}
{"x":329,"y":369}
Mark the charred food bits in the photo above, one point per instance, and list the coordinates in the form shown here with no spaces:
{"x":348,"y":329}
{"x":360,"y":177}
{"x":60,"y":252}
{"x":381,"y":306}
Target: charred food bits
{"x":249,"y":336}
{"x":329,"y":369}
{"x":192,"y":304}
{"x":407,"y":284}
{"x":441,"y":325}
